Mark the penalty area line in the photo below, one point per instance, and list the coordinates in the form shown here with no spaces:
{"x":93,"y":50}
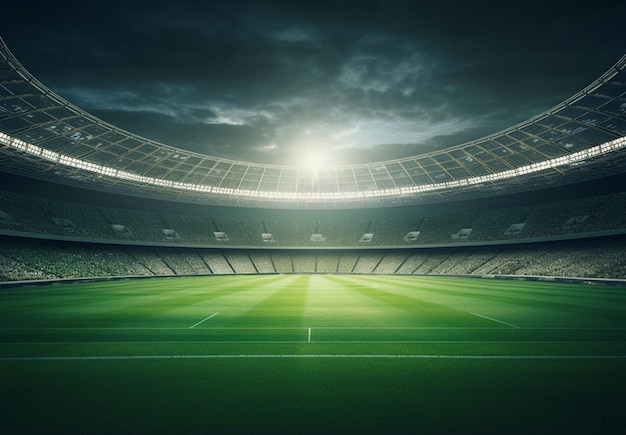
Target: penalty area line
{"x":496,"y":320}
{"x":204,"y":320}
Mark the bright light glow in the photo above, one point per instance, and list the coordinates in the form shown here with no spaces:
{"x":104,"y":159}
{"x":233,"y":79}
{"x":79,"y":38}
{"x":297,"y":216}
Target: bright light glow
{"x":316,"y":163}
{"x":314,"y":160}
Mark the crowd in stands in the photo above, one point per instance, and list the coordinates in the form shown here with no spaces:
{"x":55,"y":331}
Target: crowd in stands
{"x":29,"y":259}
{"x":262,"y":262}
{"x":150,"y":243}
{"x":21,"y":213}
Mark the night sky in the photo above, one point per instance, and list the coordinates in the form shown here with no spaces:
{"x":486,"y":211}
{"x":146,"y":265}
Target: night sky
{"x":352,"y":82}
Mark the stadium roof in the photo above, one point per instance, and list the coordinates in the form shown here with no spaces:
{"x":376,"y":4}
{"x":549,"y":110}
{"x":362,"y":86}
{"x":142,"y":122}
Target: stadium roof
{"x":46,"y":137}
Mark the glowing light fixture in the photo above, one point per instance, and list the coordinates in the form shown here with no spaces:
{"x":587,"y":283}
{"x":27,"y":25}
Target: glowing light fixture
{"x":314,"y":164}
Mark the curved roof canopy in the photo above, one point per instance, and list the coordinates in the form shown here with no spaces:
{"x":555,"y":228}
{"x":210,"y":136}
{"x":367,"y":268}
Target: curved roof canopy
{"x":46,"y":137}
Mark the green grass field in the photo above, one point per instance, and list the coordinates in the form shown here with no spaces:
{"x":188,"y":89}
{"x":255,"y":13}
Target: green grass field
{"x":313,"y":353}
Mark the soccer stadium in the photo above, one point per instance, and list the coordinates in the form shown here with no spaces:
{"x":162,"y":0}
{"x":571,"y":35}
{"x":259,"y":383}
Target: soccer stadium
{"x":475,"y":289}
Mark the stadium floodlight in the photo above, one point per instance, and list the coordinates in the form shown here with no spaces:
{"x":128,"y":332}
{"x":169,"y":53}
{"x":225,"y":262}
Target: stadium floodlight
{"x":71,"y":144}
{"x":313,"y":161}
{"x":76,"y":146}
{"x":577,"y":157}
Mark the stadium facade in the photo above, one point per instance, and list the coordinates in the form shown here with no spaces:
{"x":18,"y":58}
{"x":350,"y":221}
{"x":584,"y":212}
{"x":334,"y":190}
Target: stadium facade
{"x":43,"y":136}
{"x":83,"y":200}
{"x":170,"y":211}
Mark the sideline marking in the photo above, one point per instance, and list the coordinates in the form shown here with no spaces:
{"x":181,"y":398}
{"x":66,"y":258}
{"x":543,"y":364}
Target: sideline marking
{"x":496,"y":320}
{"x":204,"y":320}
{"x":186,"y":342}
{"x":371,"y":356}
{"x":319,"y":342}
{"x":453,"y":328}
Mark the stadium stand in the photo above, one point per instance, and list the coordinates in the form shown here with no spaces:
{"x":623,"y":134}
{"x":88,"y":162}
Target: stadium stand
{"x":217,"y":262}
{"x":347,"y":263}
{"x":327,"y":262}
{"x":502,"y":241}
{"x":240,"y":262}
{"x":172,"y":212}
{"x":31,"y":214}
{"x":31,"y":259}
{"x":262,"y":262}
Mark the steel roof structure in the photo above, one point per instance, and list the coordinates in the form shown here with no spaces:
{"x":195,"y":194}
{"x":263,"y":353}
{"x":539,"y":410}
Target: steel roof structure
{"x":46,"y":137}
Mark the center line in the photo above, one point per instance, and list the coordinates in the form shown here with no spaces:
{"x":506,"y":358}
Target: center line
{"x":495,"y":320}
{"x":203,"y":320}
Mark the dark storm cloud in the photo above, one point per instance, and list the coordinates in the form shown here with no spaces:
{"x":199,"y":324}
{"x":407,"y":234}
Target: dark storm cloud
{"x":360,"y":81}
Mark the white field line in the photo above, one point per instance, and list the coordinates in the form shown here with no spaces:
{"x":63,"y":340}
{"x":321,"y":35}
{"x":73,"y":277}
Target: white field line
{"x":204,"y":320}
{"x":322,"y":342}
{"x":495,"y":320}
{"x":309,"y":339}
{"x":313,"y":356}
{"x":335,"y":328}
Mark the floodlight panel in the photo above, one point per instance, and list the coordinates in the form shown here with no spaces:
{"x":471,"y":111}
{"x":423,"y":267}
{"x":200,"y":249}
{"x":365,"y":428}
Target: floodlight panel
{"x":38,"y":129}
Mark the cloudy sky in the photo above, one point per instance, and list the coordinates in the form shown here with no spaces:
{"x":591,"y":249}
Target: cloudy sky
{"x":279,"y":81}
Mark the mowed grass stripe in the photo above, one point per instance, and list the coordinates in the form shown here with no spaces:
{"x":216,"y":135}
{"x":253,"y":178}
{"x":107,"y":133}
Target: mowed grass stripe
{"x":586,"y":295}
{"x":491,"y":291}
{"x":302,"y":347}
{"x":543,"y":290}
{"x":315,"y":395}
{"x":322,"y":334}
{"x":159,"y":297}
{"x":414,"y":302}
{"x":92,"y":293}
{"x":423,"y":311}
{"x":352,"y":308}
{"x":487,"y":297}
{"x":310,"y":356}
{"x":272,"y":334}
{"x":284,"y":305}
{"x":369,"y":364}
{"x":332,"y":304}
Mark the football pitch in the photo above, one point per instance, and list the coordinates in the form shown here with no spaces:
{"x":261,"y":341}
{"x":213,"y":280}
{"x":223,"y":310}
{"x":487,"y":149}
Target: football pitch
{"x":313,"y":353}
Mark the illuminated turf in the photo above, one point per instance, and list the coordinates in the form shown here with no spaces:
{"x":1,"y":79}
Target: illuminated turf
{"x":298,"y":353}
